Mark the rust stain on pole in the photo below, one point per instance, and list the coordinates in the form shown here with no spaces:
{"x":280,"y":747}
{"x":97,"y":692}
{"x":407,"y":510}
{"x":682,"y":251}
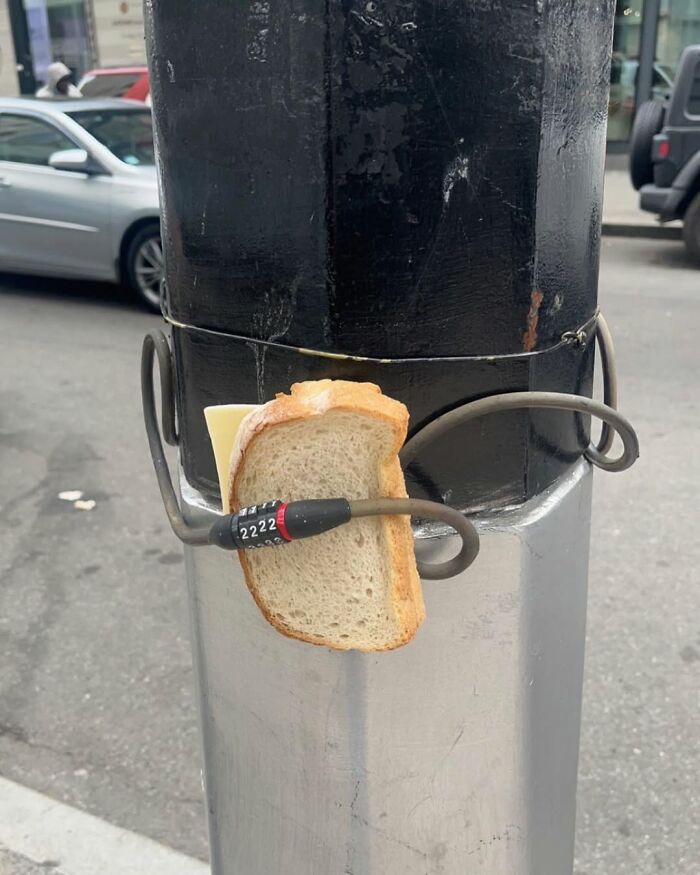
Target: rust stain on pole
{"x":533,"y":317}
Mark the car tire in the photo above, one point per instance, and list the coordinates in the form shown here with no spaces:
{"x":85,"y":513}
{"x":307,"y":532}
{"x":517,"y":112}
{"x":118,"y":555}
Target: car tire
{"x":691,"y":229}
{"x":647,"y":123}
{"x":143,"y":265}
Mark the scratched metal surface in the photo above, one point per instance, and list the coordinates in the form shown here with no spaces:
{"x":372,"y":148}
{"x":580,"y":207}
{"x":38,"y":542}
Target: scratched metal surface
{"x":388,"y":183}
{"x":455,"y":754}
{"x":398,"y":178}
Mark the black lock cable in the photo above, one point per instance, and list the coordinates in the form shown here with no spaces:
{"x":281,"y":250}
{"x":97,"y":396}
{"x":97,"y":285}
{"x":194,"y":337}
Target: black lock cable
{"x":276,"y":522}
{"x":226,"y":532}
{"x":155,"y":343}
{"x":613,"y":421}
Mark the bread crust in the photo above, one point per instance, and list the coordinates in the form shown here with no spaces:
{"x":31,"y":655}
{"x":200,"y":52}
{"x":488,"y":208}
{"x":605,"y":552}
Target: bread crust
{"x":314,"y":398}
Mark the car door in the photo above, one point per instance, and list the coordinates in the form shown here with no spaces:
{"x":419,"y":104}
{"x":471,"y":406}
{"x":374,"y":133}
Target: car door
{"x":50,"y":220}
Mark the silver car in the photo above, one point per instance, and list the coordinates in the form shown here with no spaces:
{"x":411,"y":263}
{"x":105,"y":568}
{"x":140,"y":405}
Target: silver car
{"x":78,"y":192}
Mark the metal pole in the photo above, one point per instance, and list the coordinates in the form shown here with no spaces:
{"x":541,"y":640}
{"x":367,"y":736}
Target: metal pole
{"x":406,"y":193}
{"x":647,"y":50}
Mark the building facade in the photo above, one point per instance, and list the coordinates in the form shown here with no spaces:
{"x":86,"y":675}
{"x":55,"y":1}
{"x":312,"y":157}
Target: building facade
{"x":81,"y":33}
{"x":649,"y":38}
{"x":647,"y":44}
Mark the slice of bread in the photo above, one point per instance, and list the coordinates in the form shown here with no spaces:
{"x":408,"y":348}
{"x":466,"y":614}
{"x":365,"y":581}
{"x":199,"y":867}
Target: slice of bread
{"x":355,"y":587}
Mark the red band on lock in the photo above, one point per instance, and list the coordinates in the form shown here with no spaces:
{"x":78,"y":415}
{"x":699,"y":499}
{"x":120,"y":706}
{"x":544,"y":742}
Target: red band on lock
{"x":281,"y":524}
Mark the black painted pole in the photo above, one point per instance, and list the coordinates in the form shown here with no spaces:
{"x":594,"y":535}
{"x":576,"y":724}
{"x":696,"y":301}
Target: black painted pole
{"x":407,"y":181}
{"x":407,"y":192}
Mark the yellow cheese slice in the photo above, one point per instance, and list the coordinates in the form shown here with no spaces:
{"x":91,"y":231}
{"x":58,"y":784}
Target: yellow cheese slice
{"x":223,"y":422}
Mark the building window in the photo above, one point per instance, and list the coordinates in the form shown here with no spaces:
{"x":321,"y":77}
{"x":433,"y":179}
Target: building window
{"x":624,"y":69}
{"x":678,"y":27}
{"x":665,"y":28}
{"x":59,"y":31}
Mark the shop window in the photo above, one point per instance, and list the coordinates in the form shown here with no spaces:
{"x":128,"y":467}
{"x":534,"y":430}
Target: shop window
{"x":59,"y":30}
{"x":678,"y":27}
{"x":624,"y":69}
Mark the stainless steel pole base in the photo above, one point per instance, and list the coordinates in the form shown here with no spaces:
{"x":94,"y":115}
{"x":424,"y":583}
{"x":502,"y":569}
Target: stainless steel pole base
{"x":456,"y":754}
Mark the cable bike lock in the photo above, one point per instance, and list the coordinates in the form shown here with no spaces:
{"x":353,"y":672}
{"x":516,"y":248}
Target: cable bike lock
{"x":275,"y":523}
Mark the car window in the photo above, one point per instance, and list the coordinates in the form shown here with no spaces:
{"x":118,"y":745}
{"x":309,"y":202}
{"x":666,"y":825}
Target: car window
{"x":660,"y":80}
{"x":29,"y":140}
{"x":109,"y":85}
{"x":127,"y":133}
{"x":693,"y":107}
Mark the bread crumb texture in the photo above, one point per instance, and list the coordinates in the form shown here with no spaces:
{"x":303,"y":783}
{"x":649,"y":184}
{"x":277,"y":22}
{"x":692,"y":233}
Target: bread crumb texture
{"x":355,"y":587}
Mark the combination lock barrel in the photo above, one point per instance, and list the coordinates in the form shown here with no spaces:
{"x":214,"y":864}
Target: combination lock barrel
{"x":277,"y":522}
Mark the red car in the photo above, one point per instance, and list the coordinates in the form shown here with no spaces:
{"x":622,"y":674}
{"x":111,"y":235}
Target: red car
{"x":130,"y":83}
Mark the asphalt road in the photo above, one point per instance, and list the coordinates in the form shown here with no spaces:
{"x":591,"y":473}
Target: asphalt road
{"x":96,"y":703}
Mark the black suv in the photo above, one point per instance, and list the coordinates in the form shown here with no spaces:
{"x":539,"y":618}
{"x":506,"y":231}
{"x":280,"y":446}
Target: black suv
{"x":665,"y":152}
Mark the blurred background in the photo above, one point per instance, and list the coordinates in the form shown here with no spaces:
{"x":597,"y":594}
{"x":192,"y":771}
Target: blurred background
{"x":88,"y":35}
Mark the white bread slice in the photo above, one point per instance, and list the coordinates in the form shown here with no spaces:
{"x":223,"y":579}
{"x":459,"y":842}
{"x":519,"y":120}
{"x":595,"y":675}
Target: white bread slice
{"x":355,"y":587}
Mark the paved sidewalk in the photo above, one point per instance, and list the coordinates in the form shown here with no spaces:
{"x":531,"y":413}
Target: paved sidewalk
{"x":621,"y":213}
{"x":39,"y":835}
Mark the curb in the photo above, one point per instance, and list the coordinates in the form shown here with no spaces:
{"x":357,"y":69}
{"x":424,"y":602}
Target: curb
{"x":653,"y":232}
{"x":66,"y":841}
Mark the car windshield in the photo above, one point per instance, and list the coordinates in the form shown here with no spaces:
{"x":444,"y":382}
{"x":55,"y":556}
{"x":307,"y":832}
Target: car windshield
{"x":127,"y":133}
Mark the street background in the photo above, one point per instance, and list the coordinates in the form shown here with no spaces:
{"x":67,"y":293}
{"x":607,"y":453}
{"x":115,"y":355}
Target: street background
{"x":96,"y":699}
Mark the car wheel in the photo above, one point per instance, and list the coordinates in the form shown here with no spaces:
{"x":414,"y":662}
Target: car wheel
{"x":143,"y":266}
{"x":647,"y":123}
{"x":691,"y":228}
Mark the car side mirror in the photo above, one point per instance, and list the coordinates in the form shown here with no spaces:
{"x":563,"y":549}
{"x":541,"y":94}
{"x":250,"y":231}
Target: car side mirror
{"x":76,"y":160}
